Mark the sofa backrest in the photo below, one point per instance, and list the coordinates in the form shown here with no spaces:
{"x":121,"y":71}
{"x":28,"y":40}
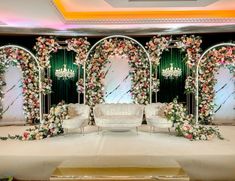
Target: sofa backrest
{"x":78,"y":110}
{"x":153,"y":109}
{"x":119,"y":109}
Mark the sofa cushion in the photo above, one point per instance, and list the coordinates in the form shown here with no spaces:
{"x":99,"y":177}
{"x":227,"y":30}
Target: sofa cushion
{"x":119,"y":119}
{"x":119,"y":109}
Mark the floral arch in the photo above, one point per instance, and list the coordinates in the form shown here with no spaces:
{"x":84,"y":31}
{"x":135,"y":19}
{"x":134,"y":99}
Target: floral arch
{"x":211,"y":60}
{"x":188,"y":44}
{"x":97,"y":58}
{"x":45,"y":46}
{"x":32,"y":88}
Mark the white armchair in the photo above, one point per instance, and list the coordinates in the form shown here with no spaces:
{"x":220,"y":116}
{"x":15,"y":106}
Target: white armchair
{"x":79,"y":117}
{"x":118,"y":116}
{"x":155,"y":117}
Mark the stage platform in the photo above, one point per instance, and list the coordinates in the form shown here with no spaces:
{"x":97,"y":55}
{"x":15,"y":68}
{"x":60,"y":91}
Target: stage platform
{"x":37,"y":160}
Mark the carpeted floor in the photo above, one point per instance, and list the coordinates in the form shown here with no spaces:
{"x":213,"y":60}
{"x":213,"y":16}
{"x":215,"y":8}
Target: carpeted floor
{"x":202,"y":160}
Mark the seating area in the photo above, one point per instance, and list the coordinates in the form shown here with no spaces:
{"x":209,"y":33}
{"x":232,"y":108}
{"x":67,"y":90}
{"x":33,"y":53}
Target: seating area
{"x":78,"y":117}
{"x":117,"y":117}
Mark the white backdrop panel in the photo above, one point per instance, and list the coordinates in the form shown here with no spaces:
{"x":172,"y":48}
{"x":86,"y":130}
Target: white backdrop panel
{"x":224,"y":97}
{"x":13,"y":99}
{"x":117,"y":83}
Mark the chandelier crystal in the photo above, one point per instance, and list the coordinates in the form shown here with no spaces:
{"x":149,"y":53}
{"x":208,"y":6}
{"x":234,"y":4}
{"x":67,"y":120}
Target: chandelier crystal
{"x":64,"y":73}
{"x":171,"y":72}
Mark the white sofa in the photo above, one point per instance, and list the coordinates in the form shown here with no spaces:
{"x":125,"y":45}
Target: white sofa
{"x":155,"y":117}
{"x":78,"y":117}
{"x":118,"y":117}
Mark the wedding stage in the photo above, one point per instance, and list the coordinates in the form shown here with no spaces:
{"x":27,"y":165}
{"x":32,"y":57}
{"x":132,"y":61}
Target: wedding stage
{"x":36,"y":160}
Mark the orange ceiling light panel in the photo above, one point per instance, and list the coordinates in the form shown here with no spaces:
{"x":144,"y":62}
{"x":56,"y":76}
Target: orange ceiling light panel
{"x":146,"y":14}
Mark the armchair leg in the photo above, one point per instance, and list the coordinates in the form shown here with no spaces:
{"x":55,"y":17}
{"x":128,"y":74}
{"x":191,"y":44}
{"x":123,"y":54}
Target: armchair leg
{"x":98,"y":130}
{"x":137,"y":130}
{"x":82,"y":130}
{"x":169,"y":130}
{"x":151,"y":129}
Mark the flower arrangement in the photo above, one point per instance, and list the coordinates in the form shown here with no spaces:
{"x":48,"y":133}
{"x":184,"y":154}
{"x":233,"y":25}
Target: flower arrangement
{"x":156,"y":46}
{"x":98,"y":59}
{"x":185,"y":124}
{"x":46,"y":86}
{"x":49,"y":127}
{"x":191,"y":45}
{"x":80,"y":46}
{"x":80,"y":86}
{"x":30,"y":83}
{"x":224,"y":56}
{"x":43,"y":47}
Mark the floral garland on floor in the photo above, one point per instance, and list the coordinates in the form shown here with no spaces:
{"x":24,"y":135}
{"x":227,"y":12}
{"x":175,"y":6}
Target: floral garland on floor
{"x":49,"y":127}
{"x":210,"y":64}
{"x":30,"y":84}
{"x":185,"y":124}
{"x":99,"y":58}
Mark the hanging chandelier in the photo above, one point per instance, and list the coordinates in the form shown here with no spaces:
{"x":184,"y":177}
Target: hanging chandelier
{"x":171,"y":72}
{"x":64,"y":73}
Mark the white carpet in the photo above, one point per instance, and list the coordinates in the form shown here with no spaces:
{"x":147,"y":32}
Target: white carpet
{"x":202,"y":160}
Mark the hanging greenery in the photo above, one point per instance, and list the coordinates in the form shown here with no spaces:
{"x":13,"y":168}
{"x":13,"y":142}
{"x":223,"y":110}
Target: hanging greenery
{"x":98,"y":59}
{"x":30,"y":84}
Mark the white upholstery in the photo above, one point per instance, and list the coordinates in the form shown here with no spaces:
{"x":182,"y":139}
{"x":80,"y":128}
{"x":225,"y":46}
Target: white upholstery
{"x":154,"y":118}
{"x":119,"y":116}
{"x":79,"y":116}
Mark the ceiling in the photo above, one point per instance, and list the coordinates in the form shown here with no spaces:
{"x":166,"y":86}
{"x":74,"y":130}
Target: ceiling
{"x":106,"y":17}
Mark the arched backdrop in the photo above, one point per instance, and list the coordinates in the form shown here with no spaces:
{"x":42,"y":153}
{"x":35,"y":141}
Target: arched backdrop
{"x":97,"y":59}
{"x":31,"y":81}
{"x":212,"y":59}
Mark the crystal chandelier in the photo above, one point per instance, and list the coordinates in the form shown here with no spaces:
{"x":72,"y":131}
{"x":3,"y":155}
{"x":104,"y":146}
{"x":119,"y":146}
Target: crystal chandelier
{"x":64,"y":73}
{"x":171,"y":72}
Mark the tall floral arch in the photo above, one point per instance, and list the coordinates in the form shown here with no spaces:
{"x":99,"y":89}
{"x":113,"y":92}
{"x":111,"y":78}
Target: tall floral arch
{"x":32,"y":88}
{"x":45,"y":46}
{"x":188,"y":44}
{"x":97,"y":58}
{"x":211,"y":60}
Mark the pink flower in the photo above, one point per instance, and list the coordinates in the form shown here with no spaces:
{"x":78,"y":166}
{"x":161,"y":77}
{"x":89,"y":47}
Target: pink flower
{"x":26,"y":134}
{"x":189,"y":136}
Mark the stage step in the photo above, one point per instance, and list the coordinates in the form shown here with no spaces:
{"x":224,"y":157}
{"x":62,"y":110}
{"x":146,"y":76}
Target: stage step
{"x":116,"y":173}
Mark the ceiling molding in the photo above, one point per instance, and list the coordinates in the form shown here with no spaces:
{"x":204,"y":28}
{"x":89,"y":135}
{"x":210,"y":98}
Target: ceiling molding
{"x":159,"y":3}
{"x":104,"y":31}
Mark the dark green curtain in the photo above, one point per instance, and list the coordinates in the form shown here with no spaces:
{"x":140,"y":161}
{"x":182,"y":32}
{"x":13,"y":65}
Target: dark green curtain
{"x":171,"y":88}
{"x":63,"y":89}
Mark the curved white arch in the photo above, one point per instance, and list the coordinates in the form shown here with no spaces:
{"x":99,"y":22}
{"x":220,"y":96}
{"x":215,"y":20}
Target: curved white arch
{"x":196,"y":96}
{"x":124,"y":37}
{"x":39,"y":72}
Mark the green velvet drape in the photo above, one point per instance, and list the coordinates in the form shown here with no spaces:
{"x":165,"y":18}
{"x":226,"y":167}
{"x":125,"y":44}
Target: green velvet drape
{"x":63,"y":89}
{"x":171,"y":88}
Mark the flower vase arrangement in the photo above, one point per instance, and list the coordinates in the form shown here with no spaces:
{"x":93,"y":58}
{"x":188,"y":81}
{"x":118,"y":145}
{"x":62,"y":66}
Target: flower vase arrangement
{"x":50,"y":126}
{"x":185,"y":124}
